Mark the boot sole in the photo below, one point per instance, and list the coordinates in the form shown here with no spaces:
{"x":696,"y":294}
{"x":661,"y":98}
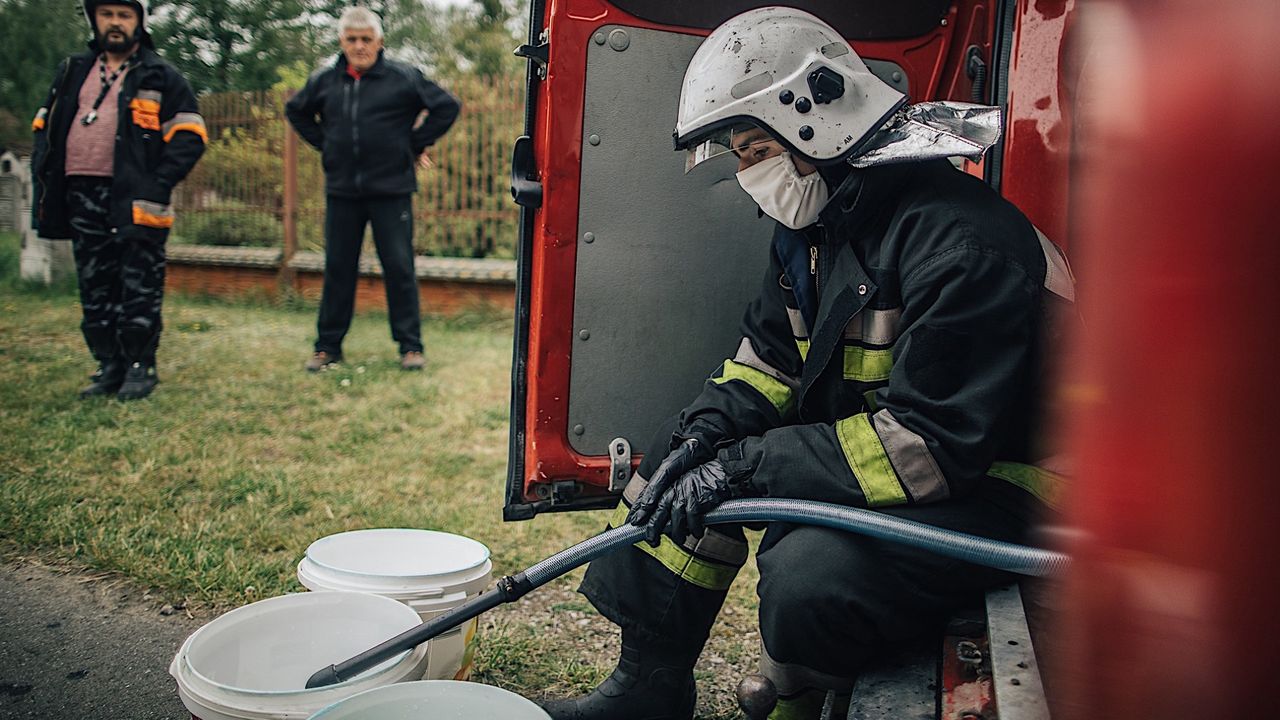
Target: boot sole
{"x":125,"y":396}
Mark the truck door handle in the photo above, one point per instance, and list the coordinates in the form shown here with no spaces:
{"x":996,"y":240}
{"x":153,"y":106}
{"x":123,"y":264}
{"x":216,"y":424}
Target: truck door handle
{"x":525,"y":188}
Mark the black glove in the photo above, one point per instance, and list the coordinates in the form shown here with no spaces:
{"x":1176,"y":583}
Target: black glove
{"x":697,"y":492}
{"x":689,"y":454}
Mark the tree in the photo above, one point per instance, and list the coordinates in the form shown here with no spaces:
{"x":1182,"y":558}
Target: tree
{"x":238,"y":44}
{"x":482,"y":37}
{"x":38,"y":35}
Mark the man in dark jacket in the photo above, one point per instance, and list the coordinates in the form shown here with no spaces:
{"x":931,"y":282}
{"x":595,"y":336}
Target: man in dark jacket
{"x":891,"y":361}
{"x":362,"y":115}
{"x":119,"y":130}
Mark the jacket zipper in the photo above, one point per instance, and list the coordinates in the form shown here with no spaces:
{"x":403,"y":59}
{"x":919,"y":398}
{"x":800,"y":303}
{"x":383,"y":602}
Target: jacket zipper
{"x":355,"y":131}
{"x":813,"y":270}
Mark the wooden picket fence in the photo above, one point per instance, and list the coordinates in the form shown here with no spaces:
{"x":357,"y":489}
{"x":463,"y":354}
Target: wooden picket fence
{"x":258,"y":185}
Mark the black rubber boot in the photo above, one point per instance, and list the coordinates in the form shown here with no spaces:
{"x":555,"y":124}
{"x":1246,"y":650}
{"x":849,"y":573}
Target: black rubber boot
{"x":107,"y":378}
{"x":139,"y":380}
{"x":642,"y":687}
{"x":138,"y":347}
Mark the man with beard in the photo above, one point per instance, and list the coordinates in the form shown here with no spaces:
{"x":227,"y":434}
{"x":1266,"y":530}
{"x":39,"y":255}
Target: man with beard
{"x":119,"y":129}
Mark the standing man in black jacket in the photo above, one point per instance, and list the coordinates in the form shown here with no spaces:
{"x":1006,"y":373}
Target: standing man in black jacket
{"x":119,"y":129}
{"x":361,"y":113}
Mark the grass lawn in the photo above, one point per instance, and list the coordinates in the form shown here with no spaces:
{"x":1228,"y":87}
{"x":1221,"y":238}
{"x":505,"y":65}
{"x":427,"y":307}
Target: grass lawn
{"x":211,"y":490}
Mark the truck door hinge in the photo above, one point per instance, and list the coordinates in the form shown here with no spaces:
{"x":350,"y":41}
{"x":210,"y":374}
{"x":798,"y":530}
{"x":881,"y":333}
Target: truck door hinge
{"x":976,"y":69}
{"x":619,"y":464}
{"x":539,"y":54}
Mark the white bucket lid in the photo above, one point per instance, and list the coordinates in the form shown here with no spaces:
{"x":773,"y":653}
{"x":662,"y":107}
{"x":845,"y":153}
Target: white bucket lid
{"x":433,"y":699}
{"x":256,"y":659}
{"x":396,"y":559}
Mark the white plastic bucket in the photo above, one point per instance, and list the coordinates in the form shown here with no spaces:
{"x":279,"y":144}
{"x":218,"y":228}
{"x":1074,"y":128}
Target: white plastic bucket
{"x":434,"y":699}
{"x":429,"y":571}
{"x":253,"y":662}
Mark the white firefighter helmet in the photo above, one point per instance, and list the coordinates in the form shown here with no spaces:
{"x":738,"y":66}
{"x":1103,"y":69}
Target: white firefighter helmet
{"x":786,"y":71}
{"x":142,"y":7}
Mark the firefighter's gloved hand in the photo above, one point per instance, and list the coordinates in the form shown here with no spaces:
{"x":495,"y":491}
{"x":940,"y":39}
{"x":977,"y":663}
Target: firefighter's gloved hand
{"x":697,"y":493}
{"x":689,"y":454}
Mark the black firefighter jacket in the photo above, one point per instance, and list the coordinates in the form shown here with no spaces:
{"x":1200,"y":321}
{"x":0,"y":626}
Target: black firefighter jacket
{"x":906,"y":367}
{"x":160,"y":137}
{"x":365,"y":132}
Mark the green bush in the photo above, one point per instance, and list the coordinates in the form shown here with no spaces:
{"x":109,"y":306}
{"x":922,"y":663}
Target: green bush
{"x":10,"y":252}
{"x":231,"y":228}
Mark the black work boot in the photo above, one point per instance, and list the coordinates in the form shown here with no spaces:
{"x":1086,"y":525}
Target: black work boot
{"x":106,"y":380}
{"x":138,"y":347}
{"x":110,"y":373}
{"x":139,"y":380}
{"x":642,"y":687}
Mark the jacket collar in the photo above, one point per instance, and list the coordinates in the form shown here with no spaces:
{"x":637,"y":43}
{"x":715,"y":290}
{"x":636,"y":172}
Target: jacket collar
{"x":864,"y":195}
{"x":379,"y":65}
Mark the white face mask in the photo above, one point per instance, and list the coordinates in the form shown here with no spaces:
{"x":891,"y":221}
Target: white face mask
{"x":783,"y":193}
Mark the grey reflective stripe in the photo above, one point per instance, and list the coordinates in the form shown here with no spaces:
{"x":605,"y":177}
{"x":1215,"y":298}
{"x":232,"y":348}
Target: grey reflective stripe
{"x":713,"y":545}
{"x":1057,"y":272}
{"x":154,"y":208}
{"x":875,"y":327}
{"x":747,"y":356}
{"x":42,"y":113}
{"x":790,"y":679}
{"x":632,"y":491}
{"x":798,"y":326}
{"x":183,"y":118}
{"x":155,"y":95}
{"x":917,"y":470}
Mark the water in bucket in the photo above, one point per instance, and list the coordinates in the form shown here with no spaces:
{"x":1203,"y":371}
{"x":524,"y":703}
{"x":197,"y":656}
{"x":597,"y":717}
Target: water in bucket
{"x":431,"y":572}
{"x":253,"y":662}
{"x":435,"y":699}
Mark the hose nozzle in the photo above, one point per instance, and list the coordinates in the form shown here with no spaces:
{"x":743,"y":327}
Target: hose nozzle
{"x":324,"y":678}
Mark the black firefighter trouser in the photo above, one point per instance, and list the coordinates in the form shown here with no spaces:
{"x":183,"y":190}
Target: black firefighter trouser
{"x":344,"y":224}
{"x":830,"y":601}
{"x":121,"y":278}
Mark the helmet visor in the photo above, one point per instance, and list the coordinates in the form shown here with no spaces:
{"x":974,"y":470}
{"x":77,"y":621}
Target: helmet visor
{"x":747,"y":142}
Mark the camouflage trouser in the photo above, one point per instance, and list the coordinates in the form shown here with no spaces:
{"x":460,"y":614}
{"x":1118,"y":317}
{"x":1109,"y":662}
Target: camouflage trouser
{"x":121,"y":278}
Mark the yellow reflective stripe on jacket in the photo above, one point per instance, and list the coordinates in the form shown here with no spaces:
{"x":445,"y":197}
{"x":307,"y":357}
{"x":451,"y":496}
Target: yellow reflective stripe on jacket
{"x":773,"y":389}
{"x":37,"y":124}
{"x":803,"y":346}
{"x":869,"y":462}
{"x":1046,"y":485}
{"x":679,"y":561}
{"x":867,"y":365}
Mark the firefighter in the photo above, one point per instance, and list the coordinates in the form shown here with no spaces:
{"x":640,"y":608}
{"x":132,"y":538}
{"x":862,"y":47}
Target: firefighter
{"x":119,"y":129}
{"x":891,"y":361}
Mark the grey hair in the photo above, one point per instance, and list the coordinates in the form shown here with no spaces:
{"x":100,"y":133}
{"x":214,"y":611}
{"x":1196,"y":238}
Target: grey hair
{"x":359,"y":17}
